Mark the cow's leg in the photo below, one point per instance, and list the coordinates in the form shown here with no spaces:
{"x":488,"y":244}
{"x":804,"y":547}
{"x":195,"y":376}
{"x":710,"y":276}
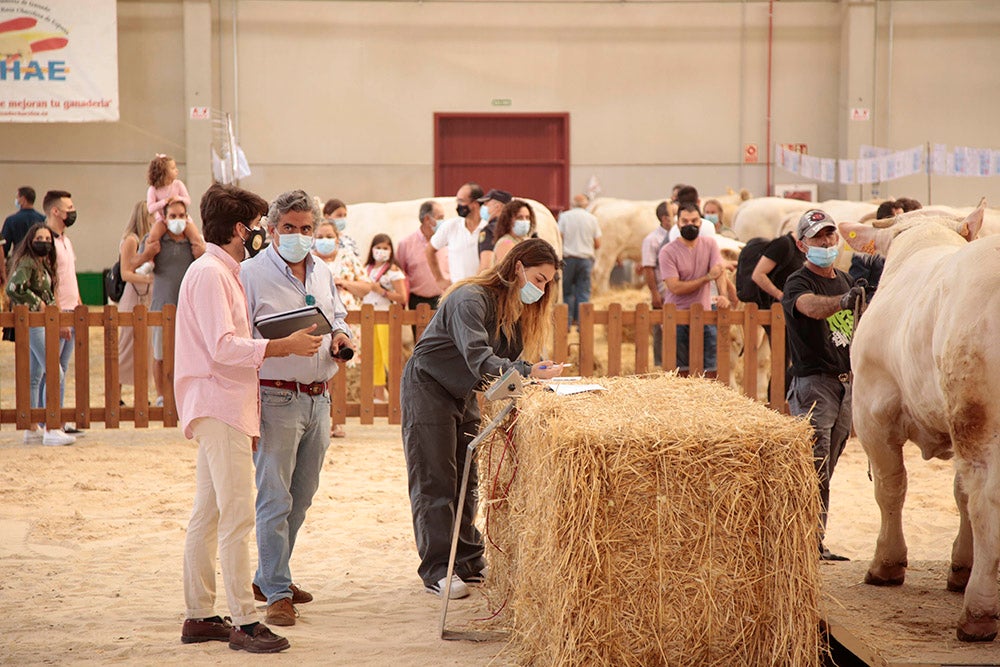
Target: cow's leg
{"x":961,"y":549}
{"x":978,"y":621}
{"x":888,"y":566}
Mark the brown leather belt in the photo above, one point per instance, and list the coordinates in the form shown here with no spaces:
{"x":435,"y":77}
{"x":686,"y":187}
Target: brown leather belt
{"x":313,"y":389}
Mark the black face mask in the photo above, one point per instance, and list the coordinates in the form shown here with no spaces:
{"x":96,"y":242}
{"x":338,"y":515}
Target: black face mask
{"x":41,"y":248}
{"x":690,"y":232}
{"x":464,"y":210}
{"x":70,"y":218}
{"x":256,"y":242}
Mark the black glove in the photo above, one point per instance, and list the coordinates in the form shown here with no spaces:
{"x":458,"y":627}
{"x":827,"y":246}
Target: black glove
{"x":851,"y":297}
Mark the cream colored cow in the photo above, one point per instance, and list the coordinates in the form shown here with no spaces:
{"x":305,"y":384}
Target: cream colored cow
{"x":927,"y":369}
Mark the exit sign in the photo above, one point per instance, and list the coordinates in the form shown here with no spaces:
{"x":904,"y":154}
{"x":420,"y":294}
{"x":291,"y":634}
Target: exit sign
{"x":501,"y":102}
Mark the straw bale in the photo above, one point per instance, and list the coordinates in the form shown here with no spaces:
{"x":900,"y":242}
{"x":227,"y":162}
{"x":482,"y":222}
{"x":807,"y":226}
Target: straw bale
{"x":666,"y":521}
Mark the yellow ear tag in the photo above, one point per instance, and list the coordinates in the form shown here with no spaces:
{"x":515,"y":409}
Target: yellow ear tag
{"x":852,"y":235}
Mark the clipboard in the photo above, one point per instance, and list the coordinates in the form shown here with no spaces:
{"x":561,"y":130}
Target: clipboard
{"x":279,"y":325}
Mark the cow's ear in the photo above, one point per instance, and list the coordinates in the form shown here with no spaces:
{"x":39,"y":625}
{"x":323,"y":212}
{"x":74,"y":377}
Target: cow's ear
{"x":969,"y":229}
{"x":863,"y":238}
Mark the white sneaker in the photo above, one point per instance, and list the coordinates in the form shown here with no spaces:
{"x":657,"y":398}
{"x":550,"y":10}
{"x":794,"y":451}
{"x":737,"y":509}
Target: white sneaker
{"x":458,"y":588}
{"x":158,"y":403}
{"x":33,"y":437}
{"x":57,"y":438}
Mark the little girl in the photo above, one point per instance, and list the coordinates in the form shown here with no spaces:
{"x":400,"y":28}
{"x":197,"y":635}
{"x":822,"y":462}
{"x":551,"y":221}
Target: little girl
{"x":164,"y":189}
{"x":388,"y":285}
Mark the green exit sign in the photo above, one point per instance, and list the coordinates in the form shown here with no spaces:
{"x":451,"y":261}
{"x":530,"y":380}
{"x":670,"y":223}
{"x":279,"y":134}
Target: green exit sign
{"x":501,"y":102}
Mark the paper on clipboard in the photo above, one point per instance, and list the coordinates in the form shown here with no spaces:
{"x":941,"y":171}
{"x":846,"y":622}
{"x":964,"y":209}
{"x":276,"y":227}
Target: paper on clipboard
{"x":567,"y":389}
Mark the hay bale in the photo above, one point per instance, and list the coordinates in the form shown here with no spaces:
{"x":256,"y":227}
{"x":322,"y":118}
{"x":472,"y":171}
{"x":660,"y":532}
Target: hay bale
{"x":665,"y":521}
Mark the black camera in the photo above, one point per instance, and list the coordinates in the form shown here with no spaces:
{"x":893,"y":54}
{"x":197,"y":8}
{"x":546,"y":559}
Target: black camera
{"x":344,"y":354}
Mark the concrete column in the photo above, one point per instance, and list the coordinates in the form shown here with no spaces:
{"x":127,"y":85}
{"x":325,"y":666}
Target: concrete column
{"x":197,"y":93}
{"x":857,"y":83}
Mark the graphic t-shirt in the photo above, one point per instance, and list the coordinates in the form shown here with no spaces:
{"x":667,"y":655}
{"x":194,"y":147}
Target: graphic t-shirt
{"x":818,"y":347}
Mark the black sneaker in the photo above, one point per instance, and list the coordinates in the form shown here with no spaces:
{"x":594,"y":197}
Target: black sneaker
{"x":73,"y":430}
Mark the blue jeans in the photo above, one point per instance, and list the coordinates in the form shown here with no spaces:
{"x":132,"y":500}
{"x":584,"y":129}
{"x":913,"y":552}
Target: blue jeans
{"x":65,"y":353}
{"x":683,"y":346}
{"x":576,"y":284}
{"x":830,"y":402}
{"x":294,"y":436}
{"x":36,"y":346}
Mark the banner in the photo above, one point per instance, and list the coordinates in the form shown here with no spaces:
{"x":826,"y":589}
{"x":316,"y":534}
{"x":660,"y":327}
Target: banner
{"x":58,"y":61}
{"x":877,"y":165}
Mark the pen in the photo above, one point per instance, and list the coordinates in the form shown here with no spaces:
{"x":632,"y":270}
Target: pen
{"x":555,"y":366}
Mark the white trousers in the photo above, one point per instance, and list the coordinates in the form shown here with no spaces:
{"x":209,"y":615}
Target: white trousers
{"x":221,"y":521}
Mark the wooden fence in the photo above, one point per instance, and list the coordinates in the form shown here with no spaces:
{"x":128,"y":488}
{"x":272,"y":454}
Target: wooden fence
{"x":619,"y":326}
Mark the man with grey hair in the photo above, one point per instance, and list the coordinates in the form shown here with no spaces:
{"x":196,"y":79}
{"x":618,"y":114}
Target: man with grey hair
{"x":295,"y":403}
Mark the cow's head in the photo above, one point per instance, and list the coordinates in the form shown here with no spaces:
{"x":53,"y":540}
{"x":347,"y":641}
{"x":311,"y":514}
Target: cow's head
{"x":872,"y":240}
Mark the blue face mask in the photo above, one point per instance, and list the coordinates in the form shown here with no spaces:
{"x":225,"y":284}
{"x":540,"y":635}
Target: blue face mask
{"x":294,"y":247}
{"x":822,"y":257}
{"x":521,"y":227}
{"x":530,"y":293}
{"x":17,"y":204}
{"x":712,"y":217}
{"x":326,"y":246}
{"x":340,"y":224}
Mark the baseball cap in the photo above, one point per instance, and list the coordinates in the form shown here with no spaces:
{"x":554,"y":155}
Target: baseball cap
{"x":811,"y":222}
{"x":497,"y":195}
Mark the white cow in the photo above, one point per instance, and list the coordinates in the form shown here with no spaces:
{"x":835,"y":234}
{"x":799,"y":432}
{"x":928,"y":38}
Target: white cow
{"x":927,"y":369}
{"x":398,"y":219}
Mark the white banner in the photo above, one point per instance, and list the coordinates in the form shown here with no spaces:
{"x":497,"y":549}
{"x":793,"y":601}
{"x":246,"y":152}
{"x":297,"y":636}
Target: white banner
{"x":58,"y":61}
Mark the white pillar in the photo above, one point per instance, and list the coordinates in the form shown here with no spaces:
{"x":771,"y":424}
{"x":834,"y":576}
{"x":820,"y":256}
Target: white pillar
{"x":197,"y":93}
{"x":857,"y":83}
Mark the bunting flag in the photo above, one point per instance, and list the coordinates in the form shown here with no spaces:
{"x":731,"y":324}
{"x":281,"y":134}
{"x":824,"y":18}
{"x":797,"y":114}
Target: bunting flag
{"x":877,"y":164}
{"x":58,"y":61}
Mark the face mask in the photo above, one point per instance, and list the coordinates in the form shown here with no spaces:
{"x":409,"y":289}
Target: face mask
{"x":294,"y":247}
{"x":17,"y":204}
{"x":690,"y":232}
{"x":437,"y":224}
{"x":340,"y":224}
{"x":70,"y":218}
{"x":42,"y":248}
{"x":484,"y":212}
{"x":521,"y":227}
{"x":529,"y":292}
{"x":712,"y":217}
{"x":463,"y":211}
{"x":822,"y":257}
{"x":380,"y":254}
{"x":326,"y":246}
{"x":256,"y":241}
{"x":176,"y":225}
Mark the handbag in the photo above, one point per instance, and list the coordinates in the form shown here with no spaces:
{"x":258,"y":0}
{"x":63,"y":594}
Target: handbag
{"x":114,"y":284}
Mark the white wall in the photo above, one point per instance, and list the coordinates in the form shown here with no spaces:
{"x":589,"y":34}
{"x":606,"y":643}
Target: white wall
{"x":338,"y":97}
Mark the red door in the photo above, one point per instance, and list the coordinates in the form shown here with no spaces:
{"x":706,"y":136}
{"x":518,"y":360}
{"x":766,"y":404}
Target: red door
{"x":524,"y":154}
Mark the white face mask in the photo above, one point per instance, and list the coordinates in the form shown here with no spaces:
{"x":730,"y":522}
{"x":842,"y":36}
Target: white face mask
{"x":294,"y":247}
{"x":176,"y":225}
{"x":326,"y":246}
{"x":381,"y":254}
{"x":521,"y":227}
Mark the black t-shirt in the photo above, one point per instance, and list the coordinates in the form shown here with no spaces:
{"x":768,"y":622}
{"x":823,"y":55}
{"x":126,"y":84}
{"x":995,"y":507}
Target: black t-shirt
{"x":787,"y":260}
{"x":818,"y":347}
{"x":486,"y":241}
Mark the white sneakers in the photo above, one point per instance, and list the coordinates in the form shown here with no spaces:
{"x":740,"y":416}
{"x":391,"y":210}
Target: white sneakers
{"x":53,"y":438}
{"x":458,"y":588}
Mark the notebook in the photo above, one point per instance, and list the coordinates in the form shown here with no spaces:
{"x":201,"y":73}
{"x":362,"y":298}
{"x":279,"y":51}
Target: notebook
{"x":279,"y":325}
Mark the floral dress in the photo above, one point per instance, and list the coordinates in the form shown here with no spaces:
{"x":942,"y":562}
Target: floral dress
{"x":347,"y":266}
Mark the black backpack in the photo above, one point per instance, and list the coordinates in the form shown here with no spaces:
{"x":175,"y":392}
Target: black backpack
{"x":114,"y":284}
{"x":747,"y":290}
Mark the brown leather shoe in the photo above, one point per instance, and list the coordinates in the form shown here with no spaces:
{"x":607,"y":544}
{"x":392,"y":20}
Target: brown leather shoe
{"x":261,"y":641}
{"x":197,"y":630}
{"x":281,"y":612}
{"x":299,"y":596}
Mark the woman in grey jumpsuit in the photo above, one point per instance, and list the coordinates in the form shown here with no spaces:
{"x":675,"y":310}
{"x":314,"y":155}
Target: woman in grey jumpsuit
{"x":484,"y":325}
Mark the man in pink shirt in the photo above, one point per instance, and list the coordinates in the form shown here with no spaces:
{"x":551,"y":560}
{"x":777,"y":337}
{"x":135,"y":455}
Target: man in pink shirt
{"x":687,"y":266}
{"x":60,"y":214}
{"x":215,"y":382}
{"x":411,"y":256}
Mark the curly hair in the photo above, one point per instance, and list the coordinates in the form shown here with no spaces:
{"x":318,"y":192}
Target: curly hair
{"x":156,"y":175}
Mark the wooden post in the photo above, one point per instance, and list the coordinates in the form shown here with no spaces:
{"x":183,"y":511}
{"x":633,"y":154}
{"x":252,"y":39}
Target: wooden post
{"x":140,"y":364}
{"x":22,"y":366}
{"x":366,"y":399}
{"x":724,"y":343}
{"x":669,"y":342}
{"x":112,"y":386}
{"x":642,"y":333}
{"x":395,"y":361}
{"x":586,"y":329}
{"x":169,"y":321}
{"x":560,"y":334}
{"x":53,"y":407}
{"x":424,"y":315}
{"x":778,"y":361}
{"x":750,"y":351}
{"x":696,"y":340}
{"x":614,"y":337}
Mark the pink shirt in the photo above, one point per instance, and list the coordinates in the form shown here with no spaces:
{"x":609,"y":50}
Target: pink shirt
{"x":67,"y":290}
{"x":156,"y":198}
{"x":411,"y":256}
{"x":216,"y":359}
{"x":677,"y":260}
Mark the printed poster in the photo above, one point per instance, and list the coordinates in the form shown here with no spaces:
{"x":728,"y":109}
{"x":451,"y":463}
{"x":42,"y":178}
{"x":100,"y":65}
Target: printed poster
{"x":58,"y":61}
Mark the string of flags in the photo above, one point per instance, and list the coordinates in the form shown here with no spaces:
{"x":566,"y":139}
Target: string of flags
{"x":876,"y":164}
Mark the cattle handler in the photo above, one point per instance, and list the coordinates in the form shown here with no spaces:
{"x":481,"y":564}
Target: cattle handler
{"x":819,"y":322}
{"x":481,"y":328}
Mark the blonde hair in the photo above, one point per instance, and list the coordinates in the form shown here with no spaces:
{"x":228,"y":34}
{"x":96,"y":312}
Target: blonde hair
{"x":140,"y":221}
{"x":501,"y":284}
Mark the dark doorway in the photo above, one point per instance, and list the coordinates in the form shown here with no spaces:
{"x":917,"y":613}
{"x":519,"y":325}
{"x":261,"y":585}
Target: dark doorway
{"x":525,"y":154}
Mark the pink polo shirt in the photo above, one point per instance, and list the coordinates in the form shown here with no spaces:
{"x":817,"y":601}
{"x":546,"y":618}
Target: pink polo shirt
{"x":216,"y":358}
{"x":67,"y":289}
{"x":411,"y":256}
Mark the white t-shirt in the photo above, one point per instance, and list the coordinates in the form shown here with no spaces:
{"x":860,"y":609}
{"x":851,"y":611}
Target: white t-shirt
{"x":463,"y":247}
{"x":707,"y":229}
{"x":385,"y":282}
{"x":579,"y":228}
